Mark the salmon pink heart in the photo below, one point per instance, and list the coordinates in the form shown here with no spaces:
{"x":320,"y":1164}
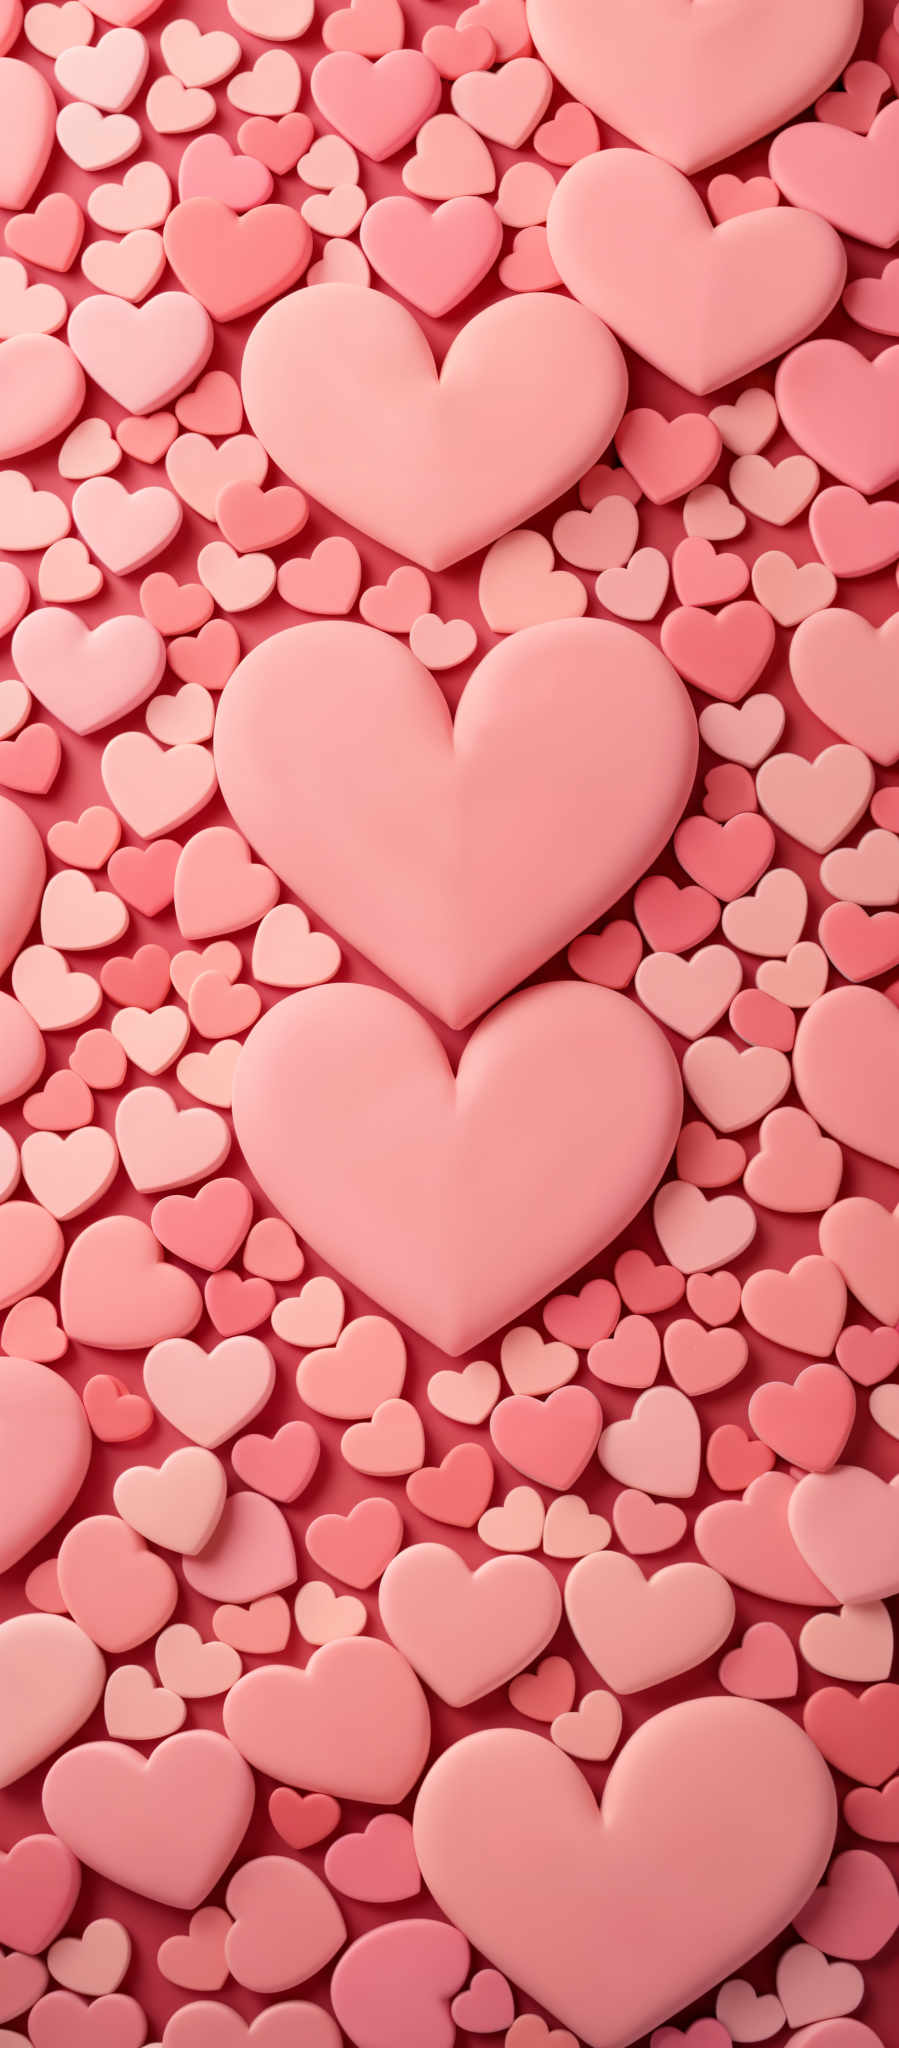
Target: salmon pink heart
{"x":457,"y":1202}
{"x":336,"y":379}
{"x":741,"y":1812}
{"x":332,"y":741}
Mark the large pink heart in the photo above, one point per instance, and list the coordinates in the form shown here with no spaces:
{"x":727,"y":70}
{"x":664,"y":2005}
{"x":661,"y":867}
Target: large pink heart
{"x":458,"y":857}
{"x":695,"y":82}
{"x":457,"y":1202}
{"x":340,"y":385}
{"x":717,"y":1821}
{"x":23,"y":867}
{"x":632,"y":240}
{"x":846,"y":1065}
{"x":45,"y":1450}
{"x":165,"y":1825}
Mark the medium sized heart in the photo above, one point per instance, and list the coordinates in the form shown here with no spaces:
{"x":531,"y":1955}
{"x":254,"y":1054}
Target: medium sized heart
{"x":423,"y":1202}
{"x":529,"y":394}
{"x":472,"y":875}
{"x":165,"y":1826}
{"x":632,"y":240}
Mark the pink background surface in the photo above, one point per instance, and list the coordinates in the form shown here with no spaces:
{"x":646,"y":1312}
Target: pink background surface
{"x":779,"y":1241}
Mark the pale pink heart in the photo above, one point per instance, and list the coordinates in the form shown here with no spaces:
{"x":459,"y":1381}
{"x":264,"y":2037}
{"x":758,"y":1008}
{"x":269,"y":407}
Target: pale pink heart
{"x":467,"y":1632}
{"x":841,"y":409}
{"x":765,"y":1667}
{"x":41,"y":387}
{"x":516,"y":1524}
{"x":88,"y":676}
{"x":862,"y":1239}
{"x":24,"y":867}
{"x":818,"y":801}
{"x":803,"y":1309}
{"x":141,"y":355}
{"x":856,"y":1644}
{"x":67,"y":1175}
{"x":689,"y":995}
{"x":696,"y":1232}
{"x":502,"y":446}
{"x":136,"y":1710}
{"x":708,"y":304}
{"x":691,"y":88}
{"x":807,"y":1424}
{"x":824,"y":652}
{"x":733,"y":1088}
{"x":117,"y":1291}
{"x":287,"y":1925}
{"x":533,"y":1366}
{"x":748,"y":424}
{"x":193,"y":1668}
{"x":519,"y":587}
{"x":350,"y":1380}
{"x":354,"y":1722}
{"x":846,"y":1526}
{"x":165,"y":1147}
{"x":849,"y":179}
{"x":503,"y":1822}
{"x":750,"y":1542}
{"x":643,"y":1525}
{"x":286,"y":954}
{"x":792,"y":594}
{"x":630,"y":1357}
{"x":574,"y":1054}
{"x":313,"y":1318}
{"x":109,"y":73}
{"x":640,"y":1632}
{"x":178,"y":1506}
{"x":28,"y":112}
{"x":209,"y":2024}
{"x":31,"y":1246}
{"x":379,"y":106}
{"x":461,"y":943}
{"x":810,"y":1988}
{"x":52,"y":1678}
{"x":122,"y":1812}
{"x":94,"y":1962}
{"x":657,"y":1449}
{"x":377,"y":1865}
{"x":700,"y":1361}
{"x":114,"y":1587}
{"x":250,"y":1554}
{"x":846,"y":1040}
{"x":125,"y":528}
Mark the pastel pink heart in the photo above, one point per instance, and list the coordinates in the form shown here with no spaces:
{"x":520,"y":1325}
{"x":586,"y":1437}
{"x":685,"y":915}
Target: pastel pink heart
{"x":708,"y":304}
{"x":45,"y":1450}
{"x":570,"y":1053}
{"x":121,"y":1812}
{"x":501,"y":445}
{"x":52,"y":1678}
{"x":690,"y":1919}
{"x":354,"y":1722}
{"x":691,"y":87}
{"x":484,"y":904}
{"x":844,"y":1041}
{"x":88,"y":676}
{"x":392,"y":1988}
{"x":287,"y":1925}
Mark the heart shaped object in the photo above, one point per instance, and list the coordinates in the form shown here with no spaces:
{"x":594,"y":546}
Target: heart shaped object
{"x":45,"y":1450}
{"x":457,"y":1203}
{"x":336,"y":379}
{"x":846,"y":1053}
{"x":739,"y":1808}
{"x":691,"y":83}
{"x":458,"y":856}
{"x":632,"y":240}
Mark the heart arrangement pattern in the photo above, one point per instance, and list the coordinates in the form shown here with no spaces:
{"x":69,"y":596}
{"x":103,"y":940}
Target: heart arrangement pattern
{"x":449,"y":973}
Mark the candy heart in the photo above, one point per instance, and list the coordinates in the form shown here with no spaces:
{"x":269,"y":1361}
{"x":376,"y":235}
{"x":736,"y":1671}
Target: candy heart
{"x":354,"y":1722}
{"x":287,"y":1925}
{"x":739,"y":1768}
{"x":467,"y":1632}
{"x":52,"y":1678}
{"x":695,"y":88}
{"x":45,"y":1450}
{"x":470,"y":941}
{"x":502,"y":446}
{"x":483,"y":1249}
{"x":123,"y":1813}
{"x":848,"y":1040}
{"x":24,"y":867}
{"x":632,"y":240}
{"x":639,"y":1632}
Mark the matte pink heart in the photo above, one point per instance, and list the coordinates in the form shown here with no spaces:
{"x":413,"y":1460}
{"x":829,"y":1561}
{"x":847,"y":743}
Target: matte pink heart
{"x":453,"y":898}
{"x":504,"y":1821}
{"x":502,"y":444}
{"x":459,"y":1251}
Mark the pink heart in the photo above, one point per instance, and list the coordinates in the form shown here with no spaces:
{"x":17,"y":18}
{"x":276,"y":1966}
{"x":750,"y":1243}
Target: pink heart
{"x":502,"y":444}
{"x":87,"y":677}
{"x":392,"y":1988}
{"x":434,"y":1216}
{"x":842,"y":409}
{"x":504,"y":1821}
{"x":354,"y":1722}
{"x":452,"y":899}
{"x":466,"y":1632}
{"x":45,"y":1450}
{"x":378,"y":1865}
{"x":120,"y":1812}
{"x":842,"y":1040}
{"x":692,"y":86}
{"x":23,"y":865}
{"x":287,"y":1925}
{"x":52,"y":1677}
{"x":712,"y":303}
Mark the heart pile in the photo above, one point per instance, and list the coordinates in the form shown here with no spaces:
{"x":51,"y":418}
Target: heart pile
{"x":449,"y":1023}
